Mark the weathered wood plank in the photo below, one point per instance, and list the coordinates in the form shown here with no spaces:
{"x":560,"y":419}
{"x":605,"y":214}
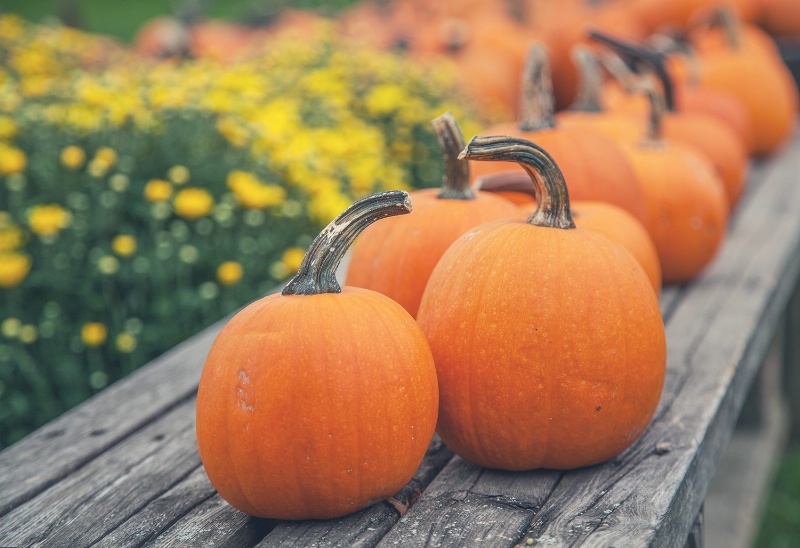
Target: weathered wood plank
{"x":82,"y":434}
{"x":89,"y":503}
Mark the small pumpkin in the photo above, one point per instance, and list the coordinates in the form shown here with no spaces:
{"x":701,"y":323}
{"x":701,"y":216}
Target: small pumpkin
{"x":687,"y":206}
{"x":711,"y":137}
{"x":593,"y":164}
{"x":742,"y":60}
{"x":397,"y":256}
{"x":548,"y":340}
{"x":318,"y":401}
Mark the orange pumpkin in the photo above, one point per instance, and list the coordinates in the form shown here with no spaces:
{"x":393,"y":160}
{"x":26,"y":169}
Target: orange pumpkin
{"x":396,"y":257}
{"x":687,"y":207}
{"x":712,"y":138}
{"x":779,"y":17}
{"x":318,"y":401}
{"x":548,"y":340}
{"x":594,"y":165}
{"x":741,"y":60}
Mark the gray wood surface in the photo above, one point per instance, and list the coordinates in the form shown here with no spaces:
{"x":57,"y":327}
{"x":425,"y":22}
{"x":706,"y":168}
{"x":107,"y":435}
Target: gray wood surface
{"x":122,"y":469}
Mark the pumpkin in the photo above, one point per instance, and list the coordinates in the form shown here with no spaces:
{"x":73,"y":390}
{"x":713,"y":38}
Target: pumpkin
{"x":712,"y":138}
{"x":613,"y":221}
{"x":548,"y":340}
{"x":593,"y":164}
{"x":741,"y":60}
{"x":397,"y":256}
{"x":320,"y":400}
{"x":779,"y":17}
{"x":655,"y":14}
{"x":687,"y":207}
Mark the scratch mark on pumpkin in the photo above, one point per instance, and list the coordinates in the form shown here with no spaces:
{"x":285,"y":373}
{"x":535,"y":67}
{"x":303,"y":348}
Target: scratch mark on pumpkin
{"x":243,"y":375}
{"x":248,"y":407}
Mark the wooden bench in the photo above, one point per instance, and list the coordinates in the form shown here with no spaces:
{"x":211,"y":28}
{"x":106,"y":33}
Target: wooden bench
{"x":122,"y":469}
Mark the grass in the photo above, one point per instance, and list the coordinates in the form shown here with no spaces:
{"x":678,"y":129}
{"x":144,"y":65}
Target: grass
{"x":122,"y":18}
{"x":780,"y":526}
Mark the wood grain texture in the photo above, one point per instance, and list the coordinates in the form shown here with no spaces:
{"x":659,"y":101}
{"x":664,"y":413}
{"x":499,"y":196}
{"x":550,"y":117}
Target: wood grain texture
{"x":82,"y":434}
{"x":89,"y":503}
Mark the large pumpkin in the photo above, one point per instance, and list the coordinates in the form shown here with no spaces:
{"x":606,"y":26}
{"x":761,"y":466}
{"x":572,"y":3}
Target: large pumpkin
{"x":397,"y":256}
{"x":318,"y":401}
{"x":548,"y":340}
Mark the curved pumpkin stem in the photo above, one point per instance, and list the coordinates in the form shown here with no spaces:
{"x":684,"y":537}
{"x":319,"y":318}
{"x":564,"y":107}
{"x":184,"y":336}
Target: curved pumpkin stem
{"x":537,"y":106}
{"x":552,"y":198}
{"x":641,"y":53}
{"x":455,"y":184}
{"x":317,"y":272}
{"x":730,"y":24}
{"x":590,"y":80}
{"x":657,"y":109}
{"x":671,"y":45}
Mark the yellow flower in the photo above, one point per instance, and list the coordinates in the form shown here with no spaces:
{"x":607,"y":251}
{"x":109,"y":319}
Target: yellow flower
{"x":28,"y":334}
{"x":385,"y":99}
{"x":48,"y":220}
{"x":252,"y":193}
{"x":97,"y":167}
{"x":124,"y":245}
{"x":193,"y":203}
{"x":10,"y":327}
{"x":94,"y":333}
{"x":292,"y":258}
{"x":8,"y":129}
{"x":229,"y":272}
{"x":11,"y":237}
{"x":73,"y":157}
{"x":12,"y":160}
{"x":14,"y":267}
{"x":107,"y":155}
{"x":179,"y":174}
{"x":126,"y":342}
{"x":157,"y":190}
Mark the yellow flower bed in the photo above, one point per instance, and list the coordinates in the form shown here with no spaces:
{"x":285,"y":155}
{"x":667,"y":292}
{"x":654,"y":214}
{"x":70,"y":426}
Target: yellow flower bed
{"x":141,"y":201}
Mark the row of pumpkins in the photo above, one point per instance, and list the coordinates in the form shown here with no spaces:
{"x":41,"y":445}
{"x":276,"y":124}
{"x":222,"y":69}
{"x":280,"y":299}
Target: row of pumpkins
{"x":515,"y":310}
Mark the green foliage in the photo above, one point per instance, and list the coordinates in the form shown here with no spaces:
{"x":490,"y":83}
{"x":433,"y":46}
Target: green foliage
{"x":780,"y":527}
{"x":141,"y":202}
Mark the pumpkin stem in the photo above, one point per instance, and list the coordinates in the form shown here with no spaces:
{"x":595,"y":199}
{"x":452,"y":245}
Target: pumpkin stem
{"x":590,"y":81}
{"x":552,"y":198}
{"x":658,"y":107}
{"x":317,"y":272}
{"x":731,"y":26}
{"x":643,"y":54}
{"x":455,"y":183}
{"x":672,"y":45}
{"x":619,"y":70}
{"x":537,"y":104}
